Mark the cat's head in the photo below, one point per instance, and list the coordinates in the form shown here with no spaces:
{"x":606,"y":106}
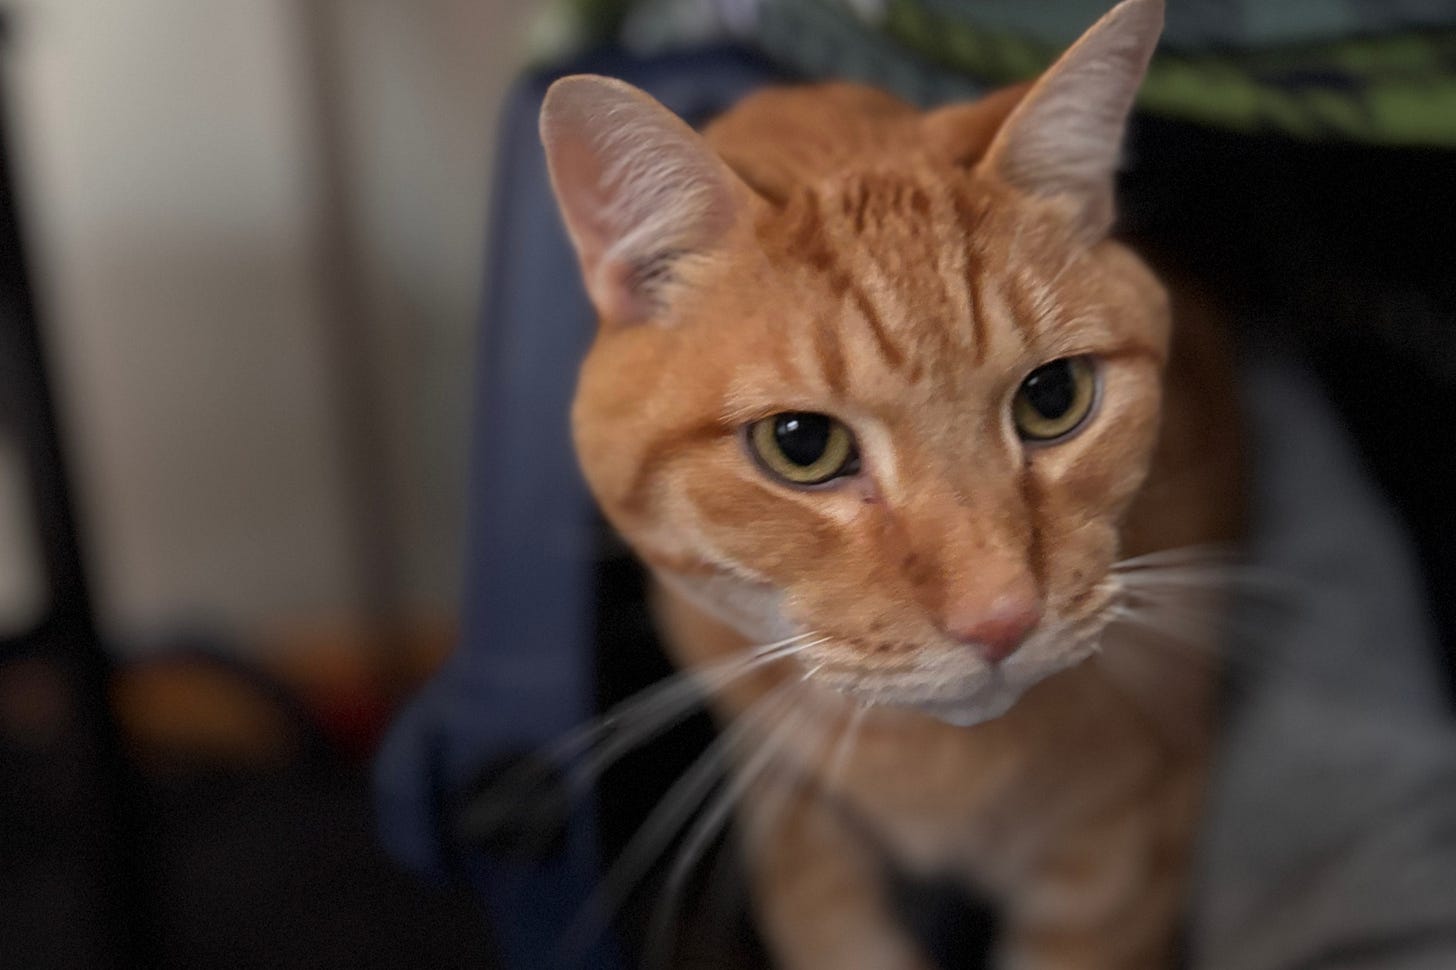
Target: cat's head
{"x":902,"y":398}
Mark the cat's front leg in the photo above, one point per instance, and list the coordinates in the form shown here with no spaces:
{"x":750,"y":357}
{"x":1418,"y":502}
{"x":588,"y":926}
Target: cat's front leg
{"x":1143,"y":939}
{"x":1112,"y":895}
{"x":821,"y":901}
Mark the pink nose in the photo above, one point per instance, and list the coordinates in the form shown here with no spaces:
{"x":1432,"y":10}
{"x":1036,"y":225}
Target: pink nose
{"x":997,"y":632}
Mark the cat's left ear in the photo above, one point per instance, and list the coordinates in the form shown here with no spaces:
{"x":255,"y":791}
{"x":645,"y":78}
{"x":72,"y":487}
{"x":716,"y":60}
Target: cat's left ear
{"x":1062,"y":143}
{"x":639,"y":191}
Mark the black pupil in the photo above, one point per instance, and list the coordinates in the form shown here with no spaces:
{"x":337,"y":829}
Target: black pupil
{"x":802,"y":437}
{"x":1051,"y":389}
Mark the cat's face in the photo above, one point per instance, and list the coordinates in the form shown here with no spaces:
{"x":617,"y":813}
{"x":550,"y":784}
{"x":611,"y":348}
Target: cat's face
{"x":902,"y":406}
{"x":916,"y":336}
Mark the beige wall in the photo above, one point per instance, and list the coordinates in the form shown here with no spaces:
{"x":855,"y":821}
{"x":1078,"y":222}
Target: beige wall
{"x":166,"y":154}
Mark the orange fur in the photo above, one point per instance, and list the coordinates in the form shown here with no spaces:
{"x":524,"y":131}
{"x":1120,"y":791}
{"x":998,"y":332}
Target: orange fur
{"x":901,"y":272}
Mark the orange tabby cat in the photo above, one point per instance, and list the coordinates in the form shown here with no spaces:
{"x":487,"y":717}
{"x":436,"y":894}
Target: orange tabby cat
{"x":880,"y":381}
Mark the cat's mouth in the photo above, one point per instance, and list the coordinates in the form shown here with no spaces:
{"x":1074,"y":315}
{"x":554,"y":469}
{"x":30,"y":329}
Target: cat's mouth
{"x":951,"y":684}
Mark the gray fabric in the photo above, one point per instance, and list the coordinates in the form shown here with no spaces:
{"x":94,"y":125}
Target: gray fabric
{"x":1332,"y":838}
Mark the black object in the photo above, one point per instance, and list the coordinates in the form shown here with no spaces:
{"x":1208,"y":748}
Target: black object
{"x":518,"y":808}
{"x":68,"y":797}
{"x":956,"y":928}
{"x":1347,"y":249}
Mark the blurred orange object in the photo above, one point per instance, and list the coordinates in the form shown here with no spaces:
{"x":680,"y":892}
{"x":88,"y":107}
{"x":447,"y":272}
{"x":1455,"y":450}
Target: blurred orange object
{"x":331,"y":680}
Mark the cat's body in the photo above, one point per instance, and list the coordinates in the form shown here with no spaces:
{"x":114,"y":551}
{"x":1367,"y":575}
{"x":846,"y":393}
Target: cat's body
{"x":1076,"y":808}
{"x":907,"y":275}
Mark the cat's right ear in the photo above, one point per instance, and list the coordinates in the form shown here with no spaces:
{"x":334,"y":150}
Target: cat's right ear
{"x":638,"y":189}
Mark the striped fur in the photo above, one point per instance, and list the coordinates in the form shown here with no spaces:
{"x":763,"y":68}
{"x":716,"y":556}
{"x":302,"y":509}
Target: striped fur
{"x":886,"y":267}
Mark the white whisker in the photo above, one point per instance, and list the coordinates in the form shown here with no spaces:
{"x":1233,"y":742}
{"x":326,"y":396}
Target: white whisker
{"x":675,"y":709}
{"x":1206,"y":633}
{"x":1243,"y":580}
{"x":666,"y":819}
{"x":706,"y":828}
{"x":844,"y":747}
{"x":693,"y":681}
{"x":1181,"y":556}
{"x":638,"y":719}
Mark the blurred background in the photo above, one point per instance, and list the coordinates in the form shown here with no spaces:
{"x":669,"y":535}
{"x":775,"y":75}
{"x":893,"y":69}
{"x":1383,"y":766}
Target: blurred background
{"x":253,"y":233}
{"x":257,"y":307}
{"x":229,"y":209}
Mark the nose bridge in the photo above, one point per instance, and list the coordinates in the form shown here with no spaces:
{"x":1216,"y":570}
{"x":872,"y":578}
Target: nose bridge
{"x":967,"y":543}
{"x":956,"y":522}
{"x":966,"y":489}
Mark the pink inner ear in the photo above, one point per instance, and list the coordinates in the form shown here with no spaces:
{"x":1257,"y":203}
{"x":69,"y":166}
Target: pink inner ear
{"x":637,"y":188}
{"x":620,"y":293}
{"x":576,"y":179}
{"x":587,"y":203}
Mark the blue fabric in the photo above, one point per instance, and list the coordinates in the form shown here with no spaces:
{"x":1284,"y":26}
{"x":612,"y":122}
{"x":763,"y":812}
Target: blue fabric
{"x":522,"y":674}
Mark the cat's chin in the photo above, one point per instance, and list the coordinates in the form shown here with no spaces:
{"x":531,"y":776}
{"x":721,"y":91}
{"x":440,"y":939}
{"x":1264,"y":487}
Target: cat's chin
{"x":972,"y":711}
{"x":992,"y":699}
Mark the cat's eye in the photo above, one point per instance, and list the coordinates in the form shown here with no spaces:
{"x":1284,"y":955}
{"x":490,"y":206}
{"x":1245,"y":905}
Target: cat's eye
{"x":803,"y":448}
{"x":1055,"y":399}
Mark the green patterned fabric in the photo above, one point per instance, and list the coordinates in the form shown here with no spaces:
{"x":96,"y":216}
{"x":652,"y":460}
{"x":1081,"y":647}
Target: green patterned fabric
{"x":1206,"y":25}
{"x":1392,"y":89}
{"x":1377,"y":71}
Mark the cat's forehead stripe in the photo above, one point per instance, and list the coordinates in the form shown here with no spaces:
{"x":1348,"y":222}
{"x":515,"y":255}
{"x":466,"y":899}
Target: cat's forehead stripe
{"x":829,"y":355}
{"x":906,"y":251}
{"x":978,"y":313}
{"x":955,"y":263}
{"x":925,"y":275}
{"x":891,"y":353}
{"x":995,"y":314}
{"x":810,"y":244}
